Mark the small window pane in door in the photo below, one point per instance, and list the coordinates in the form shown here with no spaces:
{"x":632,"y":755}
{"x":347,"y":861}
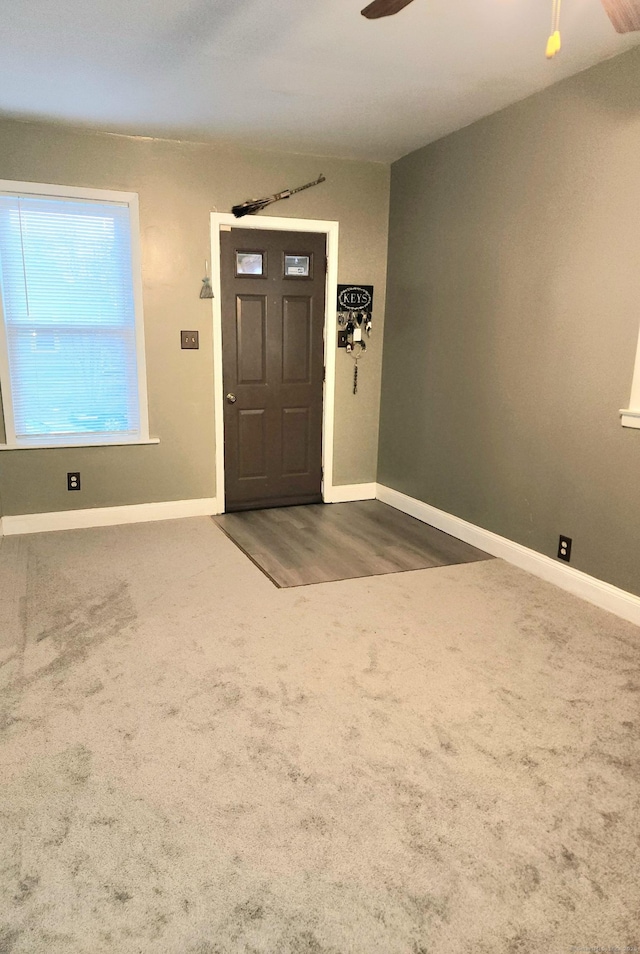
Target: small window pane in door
{"x":250,"y":263}
{"x":296,"y":266}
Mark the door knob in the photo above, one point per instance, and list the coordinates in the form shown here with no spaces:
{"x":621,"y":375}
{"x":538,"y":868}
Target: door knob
{"x":231,"y":398}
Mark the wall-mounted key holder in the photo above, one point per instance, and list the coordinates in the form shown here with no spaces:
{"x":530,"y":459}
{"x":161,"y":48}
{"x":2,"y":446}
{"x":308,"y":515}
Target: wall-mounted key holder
{"x":355,"y":308}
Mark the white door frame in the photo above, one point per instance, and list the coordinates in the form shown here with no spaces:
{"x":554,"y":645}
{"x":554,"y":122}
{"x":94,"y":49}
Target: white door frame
{"x":223,"y":221}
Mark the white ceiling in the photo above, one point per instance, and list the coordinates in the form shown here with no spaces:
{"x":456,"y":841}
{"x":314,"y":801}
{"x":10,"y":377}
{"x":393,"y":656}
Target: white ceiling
{"x":310,"y":76}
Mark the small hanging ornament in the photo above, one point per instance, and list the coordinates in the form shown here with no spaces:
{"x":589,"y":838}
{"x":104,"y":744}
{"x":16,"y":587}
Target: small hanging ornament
{"x":554,"y":43}
{"x":206,"y":291}
{"x":356,"y":355}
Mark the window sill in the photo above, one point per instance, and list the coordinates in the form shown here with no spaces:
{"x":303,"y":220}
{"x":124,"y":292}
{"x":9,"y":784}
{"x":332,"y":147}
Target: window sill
{"x":70,"y":443}
{"x":630,"y":417}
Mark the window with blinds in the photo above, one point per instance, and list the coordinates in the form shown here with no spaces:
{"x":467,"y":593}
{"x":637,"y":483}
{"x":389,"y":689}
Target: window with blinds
{"x":72,"y":368}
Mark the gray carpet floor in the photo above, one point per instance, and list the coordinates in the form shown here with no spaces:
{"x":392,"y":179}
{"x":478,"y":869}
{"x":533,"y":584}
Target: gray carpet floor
{"x":195,"y":762}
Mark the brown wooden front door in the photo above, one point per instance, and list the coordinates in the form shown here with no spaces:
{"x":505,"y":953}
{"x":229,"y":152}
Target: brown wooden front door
{"x":273,"y":304}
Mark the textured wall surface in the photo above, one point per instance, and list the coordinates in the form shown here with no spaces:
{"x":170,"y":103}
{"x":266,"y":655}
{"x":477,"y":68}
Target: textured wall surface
{"x":512,"y":322}
{"x":179,"y":184}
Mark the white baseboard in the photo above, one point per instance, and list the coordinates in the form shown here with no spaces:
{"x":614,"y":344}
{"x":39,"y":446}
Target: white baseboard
{"x":108,"y":516}
{"x":140,"y":513}
{"x":604,"y":595}
{"x":595,"y":591}
{"x":345,"y":493}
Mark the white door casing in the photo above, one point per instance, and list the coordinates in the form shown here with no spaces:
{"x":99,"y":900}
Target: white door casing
{"x":225,"y":221}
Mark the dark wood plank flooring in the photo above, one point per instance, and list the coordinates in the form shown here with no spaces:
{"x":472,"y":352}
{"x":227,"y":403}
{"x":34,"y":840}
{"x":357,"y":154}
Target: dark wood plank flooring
{"x":318,"y":543}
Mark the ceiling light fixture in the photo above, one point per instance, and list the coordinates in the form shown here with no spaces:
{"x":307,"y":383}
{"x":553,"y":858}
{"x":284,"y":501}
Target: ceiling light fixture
{"x":624,"y":15}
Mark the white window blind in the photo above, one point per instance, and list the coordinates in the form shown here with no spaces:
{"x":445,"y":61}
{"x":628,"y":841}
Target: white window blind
{"x":69,"y":310}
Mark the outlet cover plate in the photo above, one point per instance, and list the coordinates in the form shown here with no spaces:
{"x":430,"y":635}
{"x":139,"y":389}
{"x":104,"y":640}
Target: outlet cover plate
{"x":564,"y":548}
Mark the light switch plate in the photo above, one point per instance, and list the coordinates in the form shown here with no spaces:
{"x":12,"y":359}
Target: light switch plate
{"x":189,"y":339}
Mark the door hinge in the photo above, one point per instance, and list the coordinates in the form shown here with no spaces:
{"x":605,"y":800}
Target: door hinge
{"x":326,"y":264}
{"x":324,"y":374}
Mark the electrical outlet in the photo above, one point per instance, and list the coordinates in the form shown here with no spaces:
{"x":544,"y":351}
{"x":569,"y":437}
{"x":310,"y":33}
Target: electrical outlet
{"x":189,"y":339}
{"x":564,"y":548}
{"x":73,"y":481}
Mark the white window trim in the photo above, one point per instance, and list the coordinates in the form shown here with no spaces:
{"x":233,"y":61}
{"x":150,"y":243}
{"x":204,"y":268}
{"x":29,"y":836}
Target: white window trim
{"x":63,"y":443}
{"x":130,"y":199}
{"x":630,"y":416}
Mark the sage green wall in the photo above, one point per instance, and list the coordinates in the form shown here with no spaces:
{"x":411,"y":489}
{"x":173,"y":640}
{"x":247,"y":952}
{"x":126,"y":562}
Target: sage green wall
{"x":512,"y":322}
{"x":179,"y":184}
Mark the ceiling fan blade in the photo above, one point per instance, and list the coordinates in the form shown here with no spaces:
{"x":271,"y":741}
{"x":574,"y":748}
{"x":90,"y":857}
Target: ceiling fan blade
{"x":624,"y":14}
{"x":384,"y":8}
